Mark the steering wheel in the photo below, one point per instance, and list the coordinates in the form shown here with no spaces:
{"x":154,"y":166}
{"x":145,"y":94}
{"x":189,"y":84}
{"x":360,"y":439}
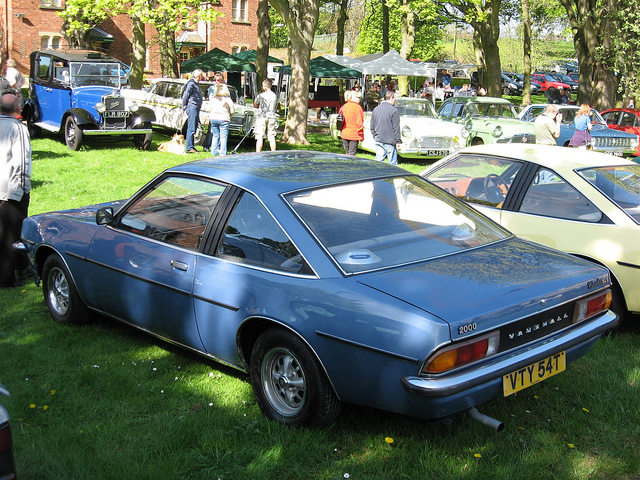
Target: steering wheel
{"x":494,"y":186}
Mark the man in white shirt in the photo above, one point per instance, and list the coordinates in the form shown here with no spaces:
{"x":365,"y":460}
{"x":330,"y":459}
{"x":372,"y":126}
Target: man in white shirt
{"x":267,"y":120}
{"x":16,"y":80}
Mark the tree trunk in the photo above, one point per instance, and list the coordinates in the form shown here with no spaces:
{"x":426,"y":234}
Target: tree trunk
{"x":488,"y":33}
{"x":168,"y":56}
{"x":262,"y":50}
{"x":301,"y":18}
{"x":385,"y":27}
{"x":342,"y":20}
{"x":138,"y":55}
{"x":408,"y":40}
{"x":526,"y":54}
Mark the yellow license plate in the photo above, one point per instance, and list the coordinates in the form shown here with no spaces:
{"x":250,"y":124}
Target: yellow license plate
{"x":535,"y":373}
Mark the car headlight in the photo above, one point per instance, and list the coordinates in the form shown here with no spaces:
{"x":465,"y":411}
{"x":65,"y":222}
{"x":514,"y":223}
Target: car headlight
{"x":634,"y":143}
{"x":133,"y":106}
{"x":101,"y":107}
{"x":513,"y":86}
{"x":497,"y":131}
{"x":464,"y":132}
{"x":406,"y":131}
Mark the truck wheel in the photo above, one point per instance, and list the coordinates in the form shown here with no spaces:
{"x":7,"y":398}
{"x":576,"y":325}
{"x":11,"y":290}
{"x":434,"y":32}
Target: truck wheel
{"x":72,"y":134}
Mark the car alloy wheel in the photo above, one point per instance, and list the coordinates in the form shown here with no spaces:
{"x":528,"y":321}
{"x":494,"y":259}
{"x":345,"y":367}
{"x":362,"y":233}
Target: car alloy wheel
{"x":62,"y":298}
{"x":289,"y":384}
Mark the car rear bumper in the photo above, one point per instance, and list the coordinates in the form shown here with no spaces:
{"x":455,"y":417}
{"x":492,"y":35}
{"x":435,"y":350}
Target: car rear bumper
{"x":472,"y":381}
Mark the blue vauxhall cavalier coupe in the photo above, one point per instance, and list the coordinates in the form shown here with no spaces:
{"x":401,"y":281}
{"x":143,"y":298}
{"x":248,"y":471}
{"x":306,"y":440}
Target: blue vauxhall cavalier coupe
{"x":329,"y":279}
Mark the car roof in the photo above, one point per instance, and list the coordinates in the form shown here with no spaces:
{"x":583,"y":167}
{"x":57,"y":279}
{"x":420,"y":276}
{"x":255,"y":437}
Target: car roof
{"x":77,"y":55}
{"x":635,"y":111}
{"x":288,"y":170}
{"x":549,"y":156}
{"x":479,"y":100}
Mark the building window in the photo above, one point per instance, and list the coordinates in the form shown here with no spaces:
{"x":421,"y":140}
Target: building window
{"x":50,"y":3}
{"x":239,"y":11}
{"x":50,"y":42}
{"x":238,"y":48}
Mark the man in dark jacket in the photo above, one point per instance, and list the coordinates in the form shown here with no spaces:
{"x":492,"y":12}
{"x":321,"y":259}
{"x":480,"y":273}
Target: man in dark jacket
{"x":191,"y":104}
{"x":385,"y":128}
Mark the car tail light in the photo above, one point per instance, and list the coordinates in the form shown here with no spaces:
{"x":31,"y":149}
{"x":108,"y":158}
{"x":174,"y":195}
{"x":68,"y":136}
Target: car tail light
{"x":590,"y":306}
{"x":459,"y":354}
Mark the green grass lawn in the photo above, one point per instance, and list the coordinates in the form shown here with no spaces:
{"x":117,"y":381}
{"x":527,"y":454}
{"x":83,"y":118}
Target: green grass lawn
{"x":107,"y":402}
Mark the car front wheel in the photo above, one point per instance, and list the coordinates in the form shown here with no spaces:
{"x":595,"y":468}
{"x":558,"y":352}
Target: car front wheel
{"x":288,"y":382}
{"x":60,"y":294}
{"x":72,"y":134}
{"x":143,"y":141}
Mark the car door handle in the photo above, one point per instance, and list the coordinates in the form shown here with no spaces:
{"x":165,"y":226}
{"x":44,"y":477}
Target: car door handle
{"x":179,"y":265}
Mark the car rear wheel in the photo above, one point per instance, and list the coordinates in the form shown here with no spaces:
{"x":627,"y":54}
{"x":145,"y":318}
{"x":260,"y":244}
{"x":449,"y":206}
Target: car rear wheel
{"x":143,"y":141}
{"x":289,"y":384}
{"x":34,"y":130}
{"x":72,"y":134}
{"x":60,"y":294}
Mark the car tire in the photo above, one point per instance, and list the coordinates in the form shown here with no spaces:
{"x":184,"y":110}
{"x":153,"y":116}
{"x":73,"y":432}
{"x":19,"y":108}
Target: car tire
{"x":289,"y":384}
{"x":34,"y":130}
{"x":60,"y":293}
{"x":72,"y":134}
{"x":143,"y":141}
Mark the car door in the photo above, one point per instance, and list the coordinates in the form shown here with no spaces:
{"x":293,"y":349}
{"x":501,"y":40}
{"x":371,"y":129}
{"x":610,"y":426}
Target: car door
{"x":53,"y":98}
{"x":250,"y":267}
{"x":147,"y":257}
{"x":554,"y":213}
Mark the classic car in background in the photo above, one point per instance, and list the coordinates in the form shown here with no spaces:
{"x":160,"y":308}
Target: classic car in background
{"x":488,"y":119}
{"x":603,"y":138}
{"x":424,"y":135}
{"x":328,"y":279}
{"x":625,"y":120}
{"x":7,"y":464}
{"x":164,"y":98}
{"x":584,"y":203}
{"x":76,"y":92}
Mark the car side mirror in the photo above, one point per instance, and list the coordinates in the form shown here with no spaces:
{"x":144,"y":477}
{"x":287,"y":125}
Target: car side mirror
{"x":104,"y":216}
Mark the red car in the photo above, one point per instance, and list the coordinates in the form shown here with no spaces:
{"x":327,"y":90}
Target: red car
{"x":547,"y":82}
{"x":625,"y":119}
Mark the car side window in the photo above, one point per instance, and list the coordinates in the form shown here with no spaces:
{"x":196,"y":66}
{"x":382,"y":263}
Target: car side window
{"x":477,"y":180}
{"x":611,"y":118}
{"x":446,"y":110}
{"x":551,"y":196}
{"x":253,"y":237}
{"x":629,"y":120}
{"x":175,"y":211}
{"x":44,"y":67}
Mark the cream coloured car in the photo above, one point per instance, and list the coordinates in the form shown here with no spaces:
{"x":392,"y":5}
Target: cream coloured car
{"x":424,"y":134}
{"x":164,"y":97}
{"x":584,"y":203}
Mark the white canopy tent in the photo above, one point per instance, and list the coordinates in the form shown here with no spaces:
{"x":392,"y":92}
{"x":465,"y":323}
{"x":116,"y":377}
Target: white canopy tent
{"x":392,"y":63}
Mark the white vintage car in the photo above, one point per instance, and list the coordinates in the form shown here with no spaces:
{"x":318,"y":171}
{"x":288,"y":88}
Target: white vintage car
{"x":164,"y":97}
{"x":424,"y":135}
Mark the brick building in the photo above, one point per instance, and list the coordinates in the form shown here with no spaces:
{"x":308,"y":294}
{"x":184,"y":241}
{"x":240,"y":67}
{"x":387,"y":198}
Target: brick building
{"x":28,"y":25}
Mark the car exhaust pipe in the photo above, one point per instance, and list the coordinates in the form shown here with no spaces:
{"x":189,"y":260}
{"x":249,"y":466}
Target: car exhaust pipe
{"x":485,"y":420}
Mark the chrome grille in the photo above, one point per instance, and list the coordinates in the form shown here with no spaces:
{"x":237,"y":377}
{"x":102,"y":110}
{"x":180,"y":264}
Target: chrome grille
{"x":612,"y":142}
{"x":435,"y":142}
{"x":116,"y":114}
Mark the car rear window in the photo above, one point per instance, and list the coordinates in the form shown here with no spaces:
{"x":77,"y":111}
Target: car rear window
{"x":388,"y":222}
{"x":620,"y":184}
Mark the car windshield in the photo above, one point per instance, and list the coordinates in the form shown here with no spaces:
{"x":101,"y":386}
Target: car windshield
{"x":97,"y":73}
{"x":505,"y":110}
{"x":621,"y":184}
{"x":389,"y":222}
{"x":416,"y":108}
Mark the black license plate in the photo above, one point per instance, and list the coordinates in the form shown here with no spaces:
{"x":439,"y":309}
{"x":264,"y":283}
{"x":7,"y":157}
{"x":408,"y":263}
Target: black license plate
{"x":115,"y":114}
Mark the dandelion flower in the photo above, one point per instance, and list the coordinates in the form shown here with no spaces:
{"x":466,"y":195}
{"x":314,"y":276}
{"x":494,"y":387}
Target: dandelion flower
{"x":477,"y":455}
{"x":53,"y":392}
{"x":33,"y":405}
{"x":585,"y":410}
{"x":571,"y":445}
{"x":45,"y":407}
{"x":388,"y":440}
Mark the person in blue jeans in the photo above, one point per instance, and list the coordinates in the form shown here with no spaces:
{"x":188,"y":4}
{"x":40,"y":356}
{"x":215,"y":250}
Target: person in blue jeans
{"x":191,"y":104}
{"x":385,"y":128}
{"x":219,"y":118}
